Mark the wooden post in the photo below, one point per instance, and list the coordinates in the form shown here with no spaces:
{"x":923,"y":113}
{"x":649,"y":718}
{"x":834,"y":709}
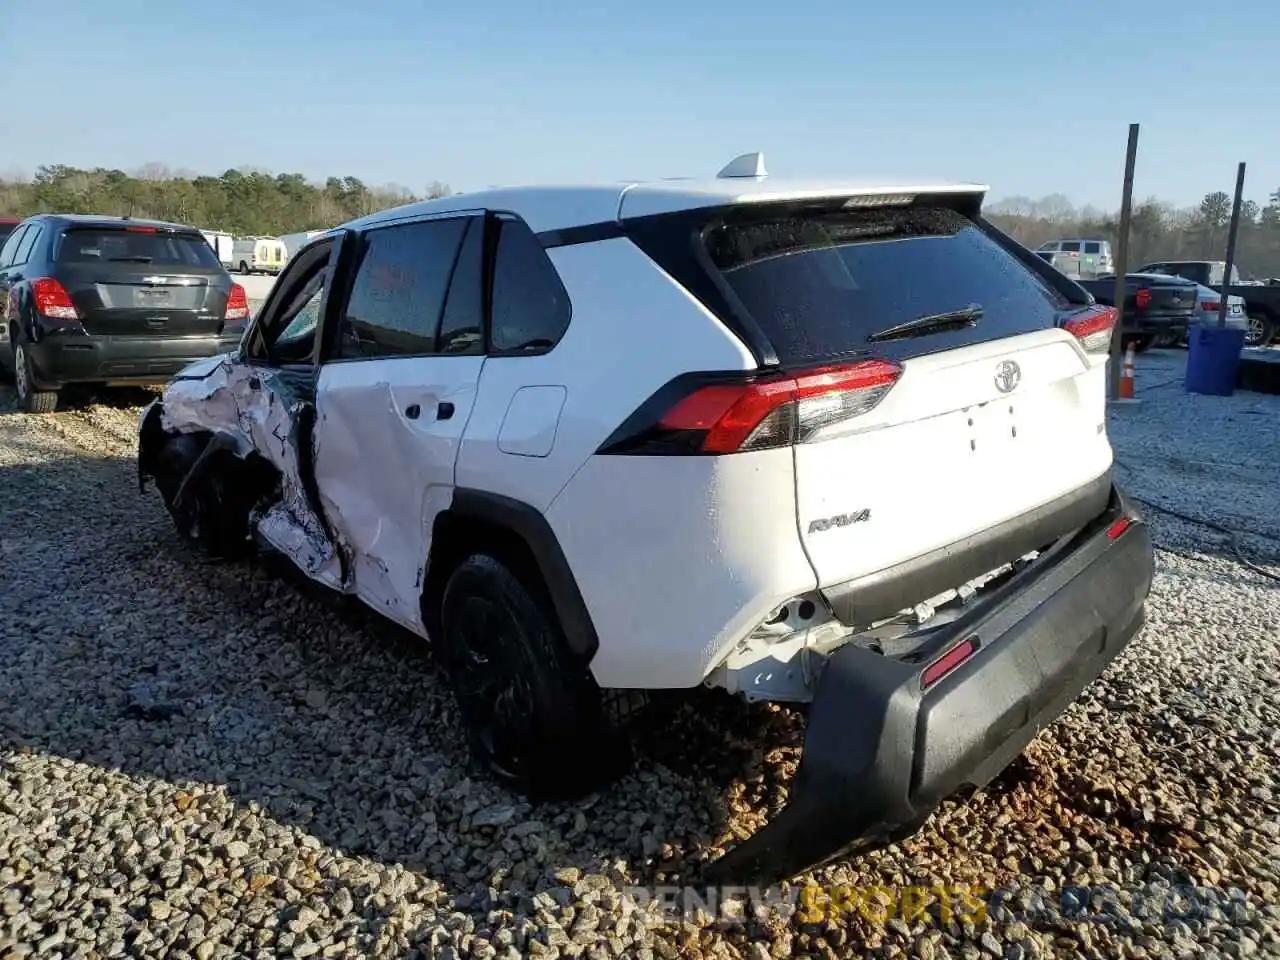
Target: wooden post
{"x":1231,"y":247}
{"x":1122,"y":262}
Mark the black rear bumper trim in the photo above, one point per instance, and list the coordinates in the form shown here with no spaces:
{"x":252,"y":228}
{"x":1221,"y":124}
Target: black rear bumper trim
{"x":880,"y":754}
{"x":59,"y":360}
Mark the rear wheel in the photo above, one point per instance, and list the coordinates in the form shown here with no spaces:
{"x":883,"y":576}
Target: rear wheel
{"x":533,"y":713}
{"x":29,"y":397}
{"x":1262,"y":331}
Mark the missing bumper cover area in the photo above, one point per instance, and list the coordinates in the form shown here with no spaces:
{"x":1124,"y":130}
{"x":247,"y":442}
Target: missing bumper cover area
{"x":865,"y":600}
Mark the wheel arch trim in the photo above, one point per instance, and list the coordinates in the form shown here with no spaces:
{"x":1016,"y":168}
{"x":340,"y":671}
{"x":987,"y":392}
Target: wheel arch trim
{"x":529,"y":524}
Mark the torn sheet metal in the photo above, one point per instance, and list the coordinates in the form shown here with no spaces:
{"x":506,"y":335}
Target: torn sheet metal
{"x":268,"y":417}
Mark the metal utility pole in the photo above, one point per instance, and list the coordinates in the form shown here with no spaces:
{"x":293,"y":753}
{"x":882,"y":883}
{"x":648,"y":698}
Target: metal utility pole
{"x":1122,"y":261}
{"x":1231,"y":246}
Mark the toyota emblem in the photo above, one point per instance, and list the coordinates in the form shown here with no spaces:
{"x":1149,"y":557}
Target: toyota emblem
{"x":1008,"y":374}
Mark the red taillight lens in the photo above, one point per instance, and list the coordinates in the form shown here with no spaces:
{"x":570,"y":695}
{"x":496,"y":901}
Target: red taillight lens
{"x":1142,"y":298}
{"x":1210,"y":306}
{"x":947,"y":662}
{"x":237,"y":304}
{"x":52,"y":299}
{"x":732,"y":418}
{"x":1093,"y":328}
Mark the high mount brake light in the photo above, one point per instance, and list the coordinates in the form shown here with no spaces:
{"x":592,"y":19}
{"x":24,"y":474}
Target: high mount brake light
{"x":1093,"y":328}
{"x":720,"y":418}
{"x":237,"y":304}
{"x":52,"y":299}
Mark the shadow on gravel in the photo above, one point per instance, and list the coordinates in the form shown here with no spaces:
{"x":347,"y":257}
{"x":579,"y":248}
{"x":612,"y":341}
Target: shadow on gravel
{"x":125,"y":652}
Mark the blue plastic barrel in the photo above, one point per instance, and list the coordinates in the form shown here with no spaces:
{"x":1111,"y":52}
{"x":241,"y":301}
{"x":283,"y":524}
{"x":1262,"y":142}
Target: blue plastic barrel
{"x":1213,"y":359}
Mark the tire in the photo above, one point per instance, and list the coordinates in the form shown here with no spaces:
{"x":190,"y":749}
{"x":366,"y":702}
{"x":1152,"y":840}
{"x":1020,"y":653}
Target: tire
{"x":213,"y":518}
{"x":29,"y":398}
{"x":533,"y":712}
{"x":1262,"y":330}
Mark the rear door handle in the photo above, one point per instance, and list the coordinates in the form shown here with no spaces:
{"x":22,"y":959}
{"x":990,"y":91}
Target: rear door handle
{"x":444,"y":411}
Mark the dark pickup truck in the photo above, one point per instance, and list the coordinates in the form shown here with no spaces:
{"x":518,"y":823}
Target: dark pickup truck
{"x":1261,"y":301}
{"x":1157,"y":308}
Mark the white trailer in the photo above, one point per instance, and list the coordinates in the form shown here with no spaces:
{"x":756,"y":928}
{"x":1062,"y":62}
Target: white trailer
{"x":293,"y":241}
{"x":223,"y":245}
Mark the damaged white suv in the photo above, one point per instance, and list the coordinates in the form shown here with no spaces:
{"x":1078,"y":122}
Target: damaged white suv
{"x":835,"y":444}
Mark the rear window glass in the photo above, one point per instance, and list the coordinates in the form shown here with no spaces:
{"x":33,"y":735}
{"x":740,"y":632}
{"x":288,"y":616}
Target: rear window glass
{"x":820,"y":283}
{"x":1071,"y":246}
{"x":1093,"y":247}
{"x":125,"y":246}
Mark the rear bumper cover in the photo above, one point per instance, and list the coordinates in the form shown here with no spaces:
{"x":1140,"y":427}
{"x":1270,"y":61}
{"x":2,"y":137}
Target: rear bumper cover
{"x":880,"y":754}
{"x":58,"y":360}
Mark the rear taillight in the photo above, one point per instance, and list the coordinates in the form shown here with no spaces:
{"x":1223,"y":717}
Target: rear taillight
{"x":1093,"y":328}
{"x":760,"y":414}
{"x":1210,"y":306}
{"x":52,"y":299}
{"x":237,"y":304}
{"x":1142,"y":299}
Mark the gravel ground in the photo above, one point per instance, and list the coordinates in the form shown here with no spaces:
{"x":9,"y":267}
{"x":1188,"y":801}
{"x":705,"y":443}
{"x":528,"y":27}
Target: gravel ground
{"x":204,"y":761}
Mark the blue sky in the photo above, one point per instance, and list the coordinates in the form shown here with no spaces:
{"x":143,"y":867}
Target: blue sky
{"x":1031,"y":98}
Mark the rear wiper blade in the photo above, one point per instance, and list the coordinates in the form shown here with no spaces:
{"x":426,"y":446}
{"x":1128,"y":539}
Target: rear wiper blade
{"x":934,"y":323}
{"x":130,"y":259}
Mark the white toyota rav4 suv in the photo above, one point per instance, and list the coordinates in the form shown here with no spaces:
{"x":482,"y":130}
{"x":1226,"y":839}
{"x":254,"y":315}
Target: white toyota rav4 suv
{"x":834,"y":444}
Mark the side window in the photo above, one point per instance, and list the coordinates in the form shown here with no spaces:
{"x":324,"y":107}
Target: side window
{"x":529,"y":308}
{"x":1071,"y":246}
{"x":462,"y":326}
{"x":398,"y":293}
{"x":10,"y":247}
{"x":27,"y":245}
{"x":286,"y":333}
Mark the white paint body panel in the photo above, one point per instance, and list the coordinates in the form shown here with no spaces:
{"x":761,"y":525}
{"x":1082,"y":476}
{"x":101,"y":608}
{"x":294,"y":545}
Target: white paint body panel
{"x":384,"y":476}
{"x":946,"y":455}
{"x":623,"y":306}
{"x":679,"y":558}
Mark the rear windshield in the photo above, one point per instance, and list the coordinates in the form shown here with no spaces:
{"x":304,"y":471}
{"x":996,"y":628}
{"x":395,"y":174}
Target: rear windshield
{"x":1093,"y":247}
{"x":1071,"y":246}
{"x":126,"y":246}
{"x":820,"y":283}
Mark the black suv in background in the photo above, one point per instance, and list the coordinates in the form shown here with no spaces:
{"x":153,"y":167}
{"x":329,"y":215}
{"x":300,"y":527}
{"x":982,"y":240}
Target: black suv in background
{"x":110,"y":300}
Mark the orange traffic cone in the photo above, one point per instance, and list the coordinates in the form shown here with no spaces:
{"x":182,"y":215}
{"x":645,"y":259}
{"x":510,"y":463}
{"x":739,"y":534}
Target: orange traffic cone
{"x":1126,"y":375}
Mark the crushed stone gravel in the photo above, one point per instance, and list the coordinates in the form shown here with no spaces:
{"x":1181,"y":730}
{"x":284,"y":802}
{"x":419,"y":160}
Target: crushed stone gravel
{"x":210,"y":760}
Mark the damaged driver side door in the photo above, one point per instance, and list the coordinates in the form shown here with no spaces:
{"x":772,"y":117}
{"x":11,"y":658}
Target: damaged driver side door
{"x":275,"y":395}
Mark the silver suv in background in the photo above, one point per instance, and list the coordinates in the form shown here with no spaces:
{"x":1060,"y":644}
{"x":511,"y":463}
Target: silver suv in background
{"x":1078,"y":257}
